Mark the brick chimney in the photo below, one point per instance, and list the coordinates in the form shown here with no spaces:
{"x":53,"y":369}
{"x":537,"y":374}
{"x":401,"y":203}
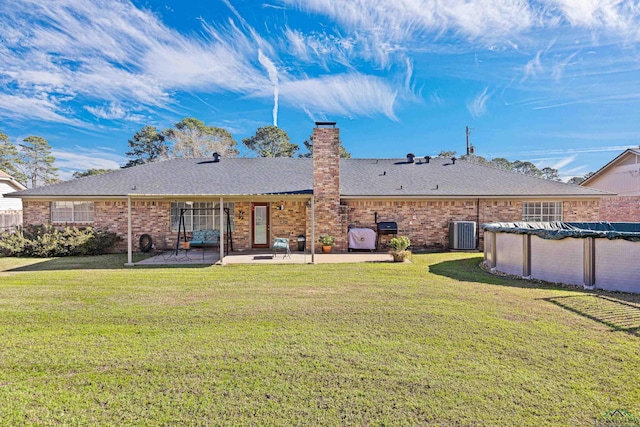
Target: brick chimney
{"x":326,"y":183}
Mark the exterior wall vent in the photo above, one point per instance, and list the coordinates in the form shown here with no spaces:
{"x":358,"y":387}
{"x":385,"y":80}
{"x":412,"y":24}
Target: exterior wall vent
{"x":462,"y":235}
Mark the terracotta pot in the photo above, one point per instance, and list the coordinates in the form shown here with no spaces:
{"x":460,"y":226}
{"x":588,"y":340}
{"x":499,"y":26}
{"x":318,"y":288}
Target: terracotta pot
{"x":326,"y":249}
{"x":400,"y":256}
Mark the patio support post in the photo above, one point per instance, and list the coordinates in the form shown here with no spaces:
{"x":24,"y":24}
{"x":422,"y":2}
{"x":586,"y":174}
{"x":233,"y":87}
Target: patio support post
{"x":129,"y":244}
{"x":313,"y":231}
{"x":222,"y":238}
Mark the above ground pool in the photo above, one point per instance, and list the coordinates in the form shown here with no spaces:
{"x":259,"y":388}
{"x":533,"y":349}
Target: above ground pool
{"x":603,"y":255}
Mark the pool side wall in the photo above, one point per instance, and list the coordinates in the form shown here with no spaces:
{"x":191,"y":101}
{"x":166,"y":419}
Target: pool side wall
{"x":612,"y":265}
{"x":617,"y":265}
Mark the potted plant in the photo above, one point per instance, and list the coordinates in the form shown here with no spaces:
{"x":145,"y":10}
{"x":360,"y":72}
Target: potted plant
{"x":399,"y":247}
{"x":327,"y":241}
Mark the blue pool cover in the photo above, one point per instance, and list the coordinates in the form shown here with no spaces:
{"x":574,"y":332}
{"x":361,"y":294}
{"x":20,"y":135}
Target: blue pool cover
{"x":560,"y":230}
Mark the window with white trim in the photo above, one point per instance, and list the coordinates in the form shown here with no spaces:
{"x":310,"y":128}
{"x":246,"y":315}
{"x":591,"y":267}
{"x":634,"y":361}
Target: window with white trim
{"x":542,"y":211}
{"x":67,"y":211}
{"x":200,"y":215}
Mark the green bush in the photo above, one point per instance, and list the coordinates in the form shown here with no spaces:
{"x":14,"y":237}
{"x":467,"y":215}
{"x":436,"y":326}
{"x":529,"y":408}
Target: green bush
{"x":45,"y":241}
{"x":327,"y":240}
{"x":400,"y":243}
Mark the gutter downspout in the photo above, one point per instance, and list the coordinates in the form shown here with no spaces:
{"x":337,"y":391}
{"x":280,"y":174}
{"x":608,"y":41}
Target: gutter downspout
{"x":221,"y":231}
{"x":129,"y":234}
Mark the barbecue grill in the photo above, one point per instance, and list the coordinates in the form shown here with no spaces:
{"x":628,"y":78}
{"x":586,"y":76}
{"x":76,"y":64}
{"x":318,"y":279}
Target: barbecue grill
{"x":386,"y":228}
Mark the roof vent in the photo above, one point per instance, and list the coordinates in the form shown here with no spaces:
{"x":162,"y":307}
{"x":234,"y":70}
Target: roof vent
{"x":427,"y":158}
{"x":410,"y":157}
{"x":453,"y":160}
{"x":216,"y":157}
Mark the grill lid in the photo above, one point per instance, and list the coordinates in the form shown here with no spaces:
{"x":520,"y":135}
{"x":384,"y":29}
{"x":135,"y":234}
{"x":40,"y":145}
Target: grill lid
{"x":388,"y":227}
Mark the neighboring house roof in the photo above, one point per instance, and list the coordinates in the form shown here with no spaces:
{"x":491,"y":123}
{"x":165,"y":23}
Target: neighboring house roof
{"x":5,"y":177}
{"x":625,"y":154}
{"x":279,"y":176}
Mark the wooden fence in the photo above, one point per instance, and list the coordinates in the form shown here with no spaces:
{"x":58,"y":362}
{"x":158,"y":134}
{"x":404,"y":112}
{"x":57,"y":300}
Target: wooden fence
{"x":10,"y":220}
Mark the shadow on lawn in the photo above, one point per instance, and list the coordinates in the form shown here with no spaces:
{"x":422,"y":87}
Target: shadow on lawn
{"x":468,"y":270}
{"x":618,"y":314}
{"x":97,"y":262}
{"x":619,"y":311}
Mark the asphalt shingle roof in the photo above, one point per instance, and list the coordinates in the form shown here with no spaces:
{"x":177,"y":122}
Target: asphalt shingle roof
{"x":263,"y":176}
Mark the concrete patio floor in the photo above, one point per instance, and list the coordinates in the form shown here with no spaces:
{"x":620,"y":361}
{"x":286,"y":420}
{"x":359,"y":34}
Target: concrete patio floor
{"x":195,"y":257}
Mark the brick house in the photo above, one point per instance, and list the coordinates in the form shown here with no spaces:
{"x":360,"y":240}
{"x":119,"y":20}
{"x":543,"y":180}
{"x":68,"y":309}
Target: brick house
{"x":286,"y":197}
{"x":620,"y":176}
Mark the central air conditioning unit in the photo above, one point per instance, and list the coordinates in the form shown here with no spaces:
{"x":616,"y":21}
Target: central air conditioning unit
{"x":462,"y":235}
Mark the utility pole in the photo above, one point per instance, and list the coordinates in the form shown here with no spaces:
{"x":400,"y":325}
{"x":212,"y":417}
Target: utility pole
{"x":467,"y":129}
{"x":470,"y":148}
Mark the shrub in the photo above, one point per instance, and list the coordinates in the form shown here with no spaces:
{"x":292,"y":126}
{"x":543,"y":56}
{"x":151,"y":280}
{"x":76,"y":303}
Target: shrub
{"x":46,"y":241}
{"x":400,"y":243}
{"x":399,"y":247}
{"x":327,"y":240}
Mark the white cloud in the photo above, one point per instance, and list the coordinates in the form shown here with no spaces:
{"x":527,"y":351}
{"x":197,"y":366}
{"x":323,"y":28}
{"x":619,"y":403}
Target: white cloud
{"x":478,"y":106}
{"x":105,"y":54}
{"x":610,"y":14}
{"x":565,"y":151}
{"x":401,"y":20}
{"x":561,"y":163}
{"x":533,"y":67}
{"x":63,"y":54}
{"x":45,"y":109}
{"x":109,"y":112}
{"x":346,"y":95}
{"x":559,"y":67}
{"x":81,"y":159}
{"x":110,"y":50}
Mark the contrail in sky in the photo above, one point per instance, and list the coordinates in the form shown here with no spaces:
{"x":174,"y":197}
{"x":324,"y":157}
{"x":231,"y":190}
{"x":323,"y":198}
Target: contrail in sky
{"x":273,"y":76}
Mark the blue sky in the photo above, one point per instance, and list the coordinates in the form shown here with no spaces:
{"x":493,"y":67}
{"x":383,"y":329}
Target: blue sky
{"x":555,"y":82}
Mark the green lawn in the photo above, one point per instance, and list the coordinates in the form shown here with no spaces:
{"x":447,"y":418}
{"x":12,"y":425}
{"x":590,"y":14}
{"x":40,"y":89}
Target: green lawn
{"x":438,"y":341}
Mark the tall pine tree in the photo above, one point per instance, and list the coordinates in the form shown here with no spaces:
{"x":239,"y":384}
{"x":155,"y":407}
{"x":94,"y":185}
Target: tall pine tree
{"x":271,"y":141}
{"x":146,"y":146}
{"x":10,"y":160}
{"x":38,"y":161}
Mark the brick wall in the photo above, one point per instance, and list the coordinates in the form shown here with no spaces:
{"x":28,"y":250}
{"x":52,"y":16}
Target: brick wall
{"x":326,"y":186}
{"x":289,"y":222}
{"x":36,"y":212}
{"x":426,"y":223}
{"x":581,"y":210}
{"x":242,"y":232}
{"x":620,"y":209}
{"x":154,"y":218}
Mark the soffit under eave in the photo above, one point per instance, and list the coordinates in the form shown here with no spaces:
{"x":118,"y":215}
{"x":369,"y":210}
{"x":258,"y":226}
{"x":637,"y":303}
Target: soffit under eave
{"x":509,"y":197}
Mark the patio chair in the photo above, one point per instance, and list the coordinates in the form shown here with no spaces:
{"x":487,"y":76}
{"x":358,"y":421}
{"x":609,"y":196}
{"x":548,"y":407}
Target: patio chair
{"x":281,"y":243}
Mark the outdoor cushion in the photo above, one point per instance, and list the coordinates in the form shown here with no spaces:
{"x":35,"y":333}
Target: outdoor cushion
{"x":212,"y":236}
